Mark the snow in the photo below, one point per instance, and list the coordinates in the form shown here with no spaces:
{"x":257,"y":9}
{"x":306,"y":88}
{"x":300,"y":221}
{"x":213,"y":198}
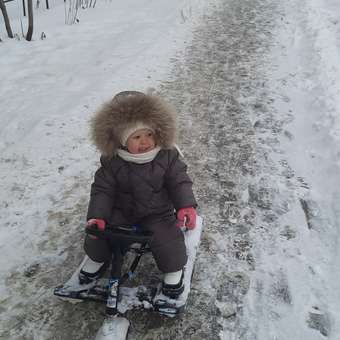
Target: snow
{"x":273,"y":278}
{"x":305,"y":83}
{"x":44,"y":137}
{"x":113,"y":328}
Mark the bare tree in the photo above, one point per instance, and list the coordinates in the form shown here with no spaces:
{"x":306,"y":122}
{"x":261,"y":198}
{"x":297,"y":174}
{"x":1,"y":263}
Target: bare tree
{"x":30,"y":20}
{"x":6,"y":19}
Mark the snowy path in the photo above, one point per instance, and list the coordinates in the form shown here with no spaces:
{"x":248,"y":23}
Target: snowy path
{"x":257,"y":89}
{"x":271,"y":226}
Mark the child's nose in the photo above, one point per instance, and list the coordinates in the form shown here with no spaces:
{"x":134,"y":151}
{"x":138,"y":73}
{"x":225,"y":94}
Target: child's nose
{"x":144,"y":140}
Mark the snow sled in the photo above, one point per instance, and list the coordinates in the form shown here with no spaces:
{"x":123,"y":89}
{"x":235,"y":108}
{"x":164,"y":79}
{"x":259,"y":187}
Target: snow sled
{"x":120,"y":299}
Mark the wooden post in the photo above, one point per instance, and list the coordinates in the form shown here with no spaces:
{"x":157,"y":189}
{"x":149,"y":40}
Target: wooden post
{"x":47,"y":5}
{"x":24,"y":7}
{"x":6,"y":19}
{"x":30,"y":20}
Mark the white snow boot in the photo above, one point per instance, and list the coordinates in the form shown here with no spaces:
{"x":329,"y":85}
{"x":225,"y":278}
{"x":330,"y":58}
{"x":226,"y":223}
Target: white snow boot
{"x":91,"y":271}
{"x":173,"y":285}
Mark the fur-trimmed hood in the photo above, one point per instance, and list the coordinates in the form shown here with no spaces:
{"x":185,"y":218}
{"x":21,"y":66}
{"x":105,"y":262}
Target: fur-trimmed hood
{"x":127,"y":109}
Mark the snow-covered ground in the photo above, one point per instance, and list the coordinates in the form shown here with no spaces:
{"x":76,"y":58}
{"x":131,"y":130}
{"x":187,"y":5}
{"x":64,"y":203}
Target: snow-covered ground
{"x":257,"y":84}
{"x":305,"y":84}
{"x":49,"y":90}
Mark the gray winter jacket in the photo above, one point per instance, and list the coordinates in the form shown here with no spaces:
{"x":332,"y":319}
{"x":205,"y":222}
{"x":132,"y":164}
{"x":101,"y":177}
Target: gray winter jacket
{"x":125,"y":191}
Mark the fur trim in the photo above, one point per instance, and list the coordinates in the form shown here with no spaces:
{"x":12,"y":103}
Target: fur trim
{"x":126,"y":110}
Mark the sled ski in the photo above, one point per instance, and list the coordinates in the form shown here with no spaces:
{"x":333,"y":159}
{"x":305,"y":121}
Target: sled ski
{"x":120,"y":299}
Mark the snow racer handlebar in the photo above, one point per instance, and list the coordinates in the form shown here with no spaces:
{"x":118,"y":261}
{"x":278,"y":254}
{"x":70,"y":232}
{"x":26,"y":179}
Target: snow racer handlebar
{"x":125,"y":233}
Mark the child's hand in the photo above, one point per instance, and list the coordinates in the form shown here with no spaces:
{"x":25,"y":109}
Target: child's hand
{"x":186,"y":217}
{"x":98,"y":222}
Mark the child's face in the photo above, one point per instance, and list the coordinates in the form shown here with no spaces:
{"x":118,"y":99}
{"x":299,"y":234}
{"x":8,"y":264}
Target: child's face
{"x":141,"y":141}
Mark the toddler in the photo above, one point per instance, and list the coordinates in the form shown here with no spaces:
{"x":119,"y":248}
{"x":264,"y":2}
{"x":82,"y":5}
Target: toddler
{"x":142,"y":181}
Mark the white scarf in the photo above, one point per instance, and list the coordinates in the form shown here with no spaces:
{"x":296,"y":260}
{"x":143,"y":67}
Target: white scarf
{"x":139,"y":158}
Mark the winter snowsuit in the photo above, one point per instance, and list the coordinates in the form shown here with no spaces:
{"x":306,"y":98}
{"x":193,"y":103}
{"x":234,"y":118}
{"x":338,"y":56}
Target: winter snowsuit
{"x":146,"y":194}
